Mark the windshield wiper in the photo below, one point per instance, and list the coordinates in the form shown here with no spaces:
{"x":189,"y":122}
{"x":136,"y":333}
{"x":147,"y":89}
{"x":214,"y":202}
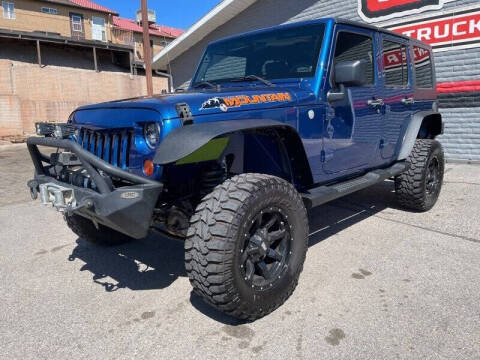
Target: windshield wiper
{"x":253,"y":78}
{"x":205,"y":84}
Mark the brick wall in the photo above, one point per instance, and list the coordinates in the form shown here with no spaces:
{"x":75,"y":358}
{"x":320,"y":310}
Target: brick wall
{"x":29,"y":93}
{"x":461,"y":114}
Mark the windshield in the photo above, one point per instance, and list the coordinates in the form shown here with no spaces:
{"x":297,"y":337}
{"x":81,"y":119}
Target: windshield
{"x":279,"y":54}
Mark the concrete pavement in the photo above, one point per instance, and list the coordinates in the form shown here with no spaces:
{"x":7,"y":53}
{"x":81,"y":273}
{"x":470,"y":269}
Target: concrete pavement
{"x":379,"y":283}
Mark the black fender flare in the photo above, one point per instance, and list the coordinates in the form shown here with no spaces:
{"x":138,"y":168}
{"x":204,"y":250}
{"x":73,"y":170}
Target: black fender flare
{"x":185,"y":140}
{"x":411,"y":134}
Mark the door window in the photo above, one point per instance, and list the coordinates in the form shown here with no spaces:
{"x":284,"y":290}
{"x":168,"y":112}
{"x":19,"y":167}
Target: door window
{"x":98,"y":29}
{"x":423,"y":68}
{"x":395,"y":64}
{"x":353,"y":46}
{"x":8,"y":10}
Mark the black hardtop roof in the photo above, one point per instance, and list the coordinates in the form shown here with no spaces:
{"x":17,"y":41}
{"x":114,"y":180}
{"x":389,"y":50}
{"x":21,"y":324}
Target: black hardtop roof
{"x":334,"y":20}
{"x":376,"y":28}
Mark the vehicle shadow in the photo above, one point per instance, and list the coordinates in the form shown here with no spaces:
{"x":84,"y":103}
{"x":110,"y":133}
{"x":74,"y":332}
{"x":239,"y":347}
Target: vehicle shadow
{"x":333,"y":217}
{"x":151,"y":263}
{"x":157,"y":261}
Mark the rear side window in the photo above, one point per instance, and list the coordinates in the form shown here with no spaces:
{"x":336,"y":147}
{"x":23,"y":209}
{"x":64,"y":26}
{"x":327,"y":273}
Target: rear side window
{"x":395,"y":63}
{"x":352,"y":46}
{"x":423,"y":68}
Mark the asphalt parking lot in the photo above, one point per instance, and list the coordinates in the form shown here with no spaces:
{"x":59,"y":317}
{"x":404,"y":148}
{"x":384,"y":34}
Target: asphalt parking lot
{"x":379,"y":283}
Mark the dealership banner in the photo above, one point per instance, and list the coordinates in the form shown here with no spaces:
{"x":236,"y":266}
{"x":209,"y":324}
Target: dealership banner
{"x":446,"y":30}
{"x":380,"y":10}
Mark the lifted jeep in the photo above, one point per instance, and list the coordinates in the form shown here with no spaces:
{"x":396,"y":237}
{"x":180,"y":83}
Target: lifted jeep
{"x":275,"y":122}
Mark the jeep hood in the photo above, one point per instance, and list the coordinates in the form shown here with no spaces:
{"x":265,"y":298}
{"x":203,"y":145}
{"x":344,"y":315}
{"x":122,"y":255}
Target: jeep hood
{"x":201,"y":103}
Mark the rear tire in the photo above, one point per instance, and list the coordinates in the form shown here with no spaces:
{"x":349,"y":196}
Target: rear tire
{"x":85,"y":229}
{"x":419,"y":186}
{"x":246,"y":245}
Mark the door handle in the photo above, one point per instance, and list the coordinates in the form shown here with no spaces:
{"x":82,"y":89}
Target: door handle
{"x":375,"y":102}
{"x":408,"y":101}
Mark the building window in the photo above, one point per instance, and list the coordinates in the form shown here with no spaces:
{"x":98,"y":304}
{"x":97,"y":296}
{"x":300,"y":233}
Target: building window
{"x":77,"y":23}
{"x":48,"y":10}
{"x":8,"y":10}
{"x":423,"y":68}
{"x":395,"y":63}
{"x":98,"y":29}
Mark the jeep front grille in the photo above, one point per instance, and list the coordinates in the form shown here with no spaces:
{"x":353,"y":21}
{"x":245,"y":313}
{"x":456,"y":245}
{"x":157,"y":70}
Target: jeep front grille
{"x":111,"y":146}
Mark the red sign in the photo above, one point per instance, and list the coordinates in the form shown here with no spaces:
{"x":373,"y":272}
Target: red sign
{"x":397,"y":57}
{"x":459,"y":86}
{"x":394,"y":58}
{"x":375,"y":6}
{"x":376,"y":10}
{"x":446,"y":31}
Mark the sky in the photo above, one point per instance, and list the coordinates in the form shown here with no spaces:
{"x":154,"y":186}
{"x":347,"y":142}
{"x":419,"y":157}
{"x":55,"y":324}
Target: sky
{"x":176,"y":13}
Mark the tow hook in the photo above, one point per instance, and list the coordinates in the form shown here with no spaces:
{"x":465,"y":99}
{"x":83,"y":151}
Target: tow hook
{"x":33,"y":186}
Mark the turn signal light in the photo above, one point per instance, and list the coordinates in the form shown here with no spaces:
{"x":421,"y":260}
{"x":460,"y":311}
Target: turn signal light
{"x":148,"y":167}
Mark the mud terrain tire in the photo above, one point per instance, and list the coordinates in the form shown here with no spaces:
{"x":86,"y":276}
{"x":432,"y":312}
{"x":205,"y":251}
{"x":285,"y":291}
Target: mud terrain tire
{"x":419,"y":186}
{"x":225,"y":238}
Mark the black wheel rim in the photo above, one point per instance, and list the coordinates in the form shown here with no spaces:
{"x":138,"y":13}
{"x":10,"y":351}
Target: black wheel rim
{"x":433,"y":177}
{"x":266,"y":248}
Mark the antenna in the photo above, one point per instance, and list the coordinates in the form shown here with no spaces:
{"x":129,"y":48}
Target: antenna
{"x":169,"y":68}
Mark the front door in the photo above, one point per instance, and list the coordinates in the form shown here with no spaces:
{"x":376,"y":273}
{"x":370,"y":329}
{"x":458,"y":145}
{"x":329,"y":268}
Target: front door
{"x":77,"y":27}
{"x":353,"y":126}
{"x":397,"y":92}
{"x":98,"y":29}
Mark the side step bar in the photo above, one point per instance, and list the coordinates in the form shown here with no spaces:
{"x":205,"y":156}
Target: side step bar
{"x":323,"y":194}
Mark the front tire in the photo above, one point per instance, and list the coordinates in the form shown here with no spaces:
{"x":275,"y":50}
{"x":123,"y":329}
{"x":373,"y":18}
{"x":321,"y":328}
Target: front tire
{"x":246,"y":245}
{"x":419,"y":186}
{"x":85,"y":229}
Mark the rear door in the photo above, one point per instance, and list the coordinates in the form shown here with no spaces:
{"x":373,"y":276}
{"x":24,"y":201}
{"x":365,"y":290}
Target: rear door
{"x":353,"y":126}
{"x":397,"y":94}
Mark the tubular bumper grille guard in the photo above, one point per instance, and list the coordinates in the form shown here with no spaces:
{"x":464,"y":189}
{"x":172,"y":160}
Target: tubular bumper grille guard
{"x":89,"y":161}
{"x":127,"y":209}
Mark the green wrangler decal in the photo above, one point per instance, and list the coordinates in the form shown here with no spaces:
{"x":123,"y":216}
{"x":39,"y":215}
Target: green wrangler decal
{"x":210,"y":151}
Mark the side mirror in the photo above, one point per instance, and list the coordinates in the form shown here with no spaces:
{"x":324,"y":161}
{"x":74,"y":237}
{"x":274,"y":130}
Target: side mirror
{"x":351,"y":73}
{"x":348,"y":73}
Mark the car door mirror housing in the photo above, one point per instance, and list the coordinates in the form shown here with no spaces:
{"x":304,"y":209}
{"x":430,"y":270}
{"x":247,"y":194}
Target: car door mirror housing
{"x":348,"y":73}
{"x":351,"y":72}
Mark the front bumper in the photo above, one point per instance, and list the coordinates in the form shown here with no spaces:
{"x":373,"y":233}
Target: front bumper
{"x":127,"y":209}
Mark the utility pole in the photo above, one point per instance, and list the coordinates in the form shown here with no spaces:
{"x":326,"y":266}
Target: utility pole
{"x":147,"y":53}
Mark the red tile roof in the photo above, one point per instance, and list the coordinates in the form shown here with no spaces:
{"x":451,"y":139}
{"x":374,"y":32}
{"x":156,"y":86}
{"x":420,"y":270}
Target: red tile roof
{"x":87,"y":4}
{"x":156,"y":30}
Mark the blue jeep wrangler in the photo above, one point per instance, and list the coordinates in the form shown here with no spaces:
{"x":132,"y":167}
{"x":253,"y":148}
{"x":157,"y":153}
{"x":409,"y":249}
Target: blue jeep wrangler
{"x":275,"y":122}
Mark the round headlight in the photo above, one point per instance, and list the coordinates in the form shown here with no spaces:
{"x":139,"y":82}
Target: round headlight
{"x":151,"y":132}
